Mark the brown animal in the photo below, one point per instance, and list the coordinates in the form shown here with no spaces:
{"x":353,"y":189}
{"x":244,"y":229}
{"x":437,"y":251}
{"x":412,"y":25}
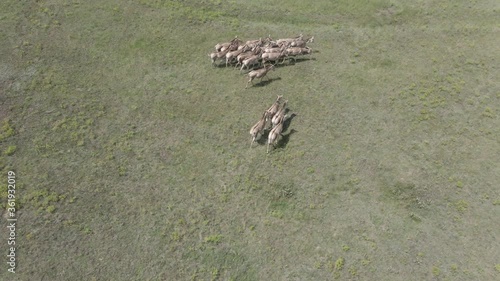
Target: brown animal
{"x":275,"y":57}
{"x":259,"y":73}
{"x":251,"y":60}
{"x":280,"y":115}
{"x":274,"y":134}
{"x":289,"y":40}
{"x":223,"y":46}
{"x":255,"y":51}
{"x":275,"y":107}
{"x":257,"y":129}
{"x":217,"y":55}
{"x":297,"y":51}
{"x":301,"y":42}
{"x":230,"y":56}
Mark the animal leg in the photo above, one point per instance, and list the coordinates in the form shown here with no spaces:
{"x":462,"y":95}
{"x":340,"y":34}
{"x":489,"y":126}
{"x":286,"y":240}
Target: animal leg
{"x":249,"y":81}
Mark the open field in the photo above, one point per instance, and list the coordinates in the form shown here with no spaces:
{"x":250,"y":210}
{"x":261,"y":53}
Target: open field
{"x":132,"y":155}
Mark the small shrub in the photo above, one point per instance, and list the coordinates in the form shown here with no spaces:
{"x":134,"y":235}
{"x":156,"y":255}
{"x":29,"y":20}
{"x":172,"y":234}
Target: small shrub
{"x":488,"y":112}
{"x":10,"y":150}
{"x":461,"y":206}
{"x":339,"y":264}
{"x":277,"y":214}
{"x":51,"y":209}
{"x":215,"y":274}
{"x":436,"y":271}
{"x":86,"y":230}
{"x":353,"y":271}
{"x":214,"y":239}
{"x":175,"y":236}
{"x":6,"y":130}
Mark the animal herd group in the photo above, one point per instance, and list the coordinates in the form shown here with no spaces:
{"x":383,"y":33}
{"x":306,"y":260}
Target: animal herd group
{"x":256,"y":53}
{"x":273,"y":118}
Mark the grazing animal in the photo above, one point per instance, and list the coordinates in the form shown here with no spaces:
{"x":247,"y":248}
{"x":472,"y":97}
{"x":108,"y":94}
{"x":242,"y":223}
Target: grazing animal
{"x":257,"y":129}
{"x":259,"y":73}
{"x":274,"y":134}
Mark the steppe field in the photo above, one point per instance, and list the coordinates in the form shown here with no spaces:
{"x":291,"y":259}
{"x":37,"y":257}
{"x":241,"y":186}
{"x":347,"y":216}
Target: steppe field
{"x":132,"y":156}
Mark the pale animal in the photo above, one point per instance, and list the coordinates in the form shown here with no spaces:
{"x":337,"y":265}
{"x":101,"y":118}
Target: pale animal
{"x":274,"y":134}
{"x":259,"y":73}
{"x":258,"y":128}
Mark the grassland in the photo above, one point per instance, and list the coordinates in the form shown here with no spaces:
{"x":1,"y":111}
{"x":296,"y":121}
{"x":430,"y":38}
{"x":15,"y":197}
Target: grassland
{"x":132,"y":152}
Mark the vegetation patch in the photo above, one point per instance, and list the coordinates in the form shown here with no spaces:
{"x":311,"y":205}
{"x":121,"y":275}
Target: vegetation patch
{"x":11,"y":149}
{"x":6,"y":130}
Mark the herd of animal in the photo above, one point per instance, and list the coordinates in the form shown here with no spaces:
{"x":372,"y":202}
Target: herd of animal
{"x":260,"y":55}
{"x":273,"y":118}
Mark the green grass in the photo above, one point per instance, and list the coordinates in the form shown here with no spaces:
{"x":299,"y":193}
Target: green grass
{"x":132,"y":155}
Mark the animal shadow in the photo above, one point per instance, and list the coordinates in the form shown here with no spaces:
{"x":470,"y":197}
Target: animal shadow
{"x":299,"y":60}
{"x":266,"y":82}
{"x":285,"y":138}
{"x":288,"y":121}
{"x":222,"y":65}
{"x":263,"y":137}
